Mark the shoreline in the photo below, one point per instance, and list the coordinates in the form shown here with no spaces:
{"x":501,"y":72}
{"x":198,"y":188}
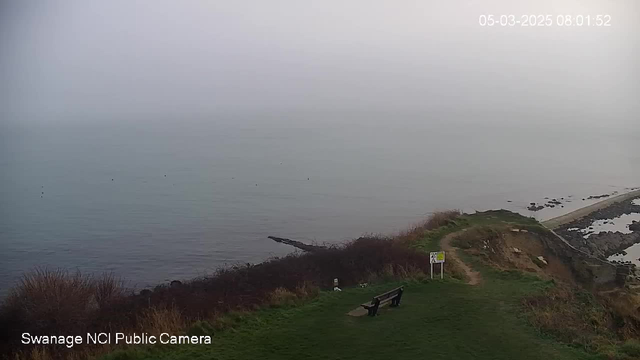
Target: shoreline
{"x":572,"y":216}
{"x":580,"y":228}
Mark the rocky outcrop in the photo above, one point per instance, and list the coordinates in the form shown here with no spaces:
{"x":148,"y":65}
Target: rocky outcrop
{"x":587,"y":269}
{"x":297,"y":244}
{"x":605,"y":244}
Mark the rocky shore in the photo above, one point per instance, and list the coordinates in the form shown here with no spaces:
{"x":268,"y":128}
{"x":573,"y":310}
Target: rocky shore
{"x":602,"y":244}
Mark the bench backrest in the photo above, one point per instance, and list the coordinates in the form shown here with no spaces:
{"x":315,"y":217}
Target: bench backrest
{"x":386,"y":296}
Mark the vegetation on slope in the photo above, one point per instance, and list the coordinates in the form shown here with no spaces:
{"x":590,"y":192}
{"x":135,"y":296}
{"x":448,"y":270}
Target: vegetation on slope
{"x":436,"y":320}
{"x":278,"y":310}
{"x":56,"y":302}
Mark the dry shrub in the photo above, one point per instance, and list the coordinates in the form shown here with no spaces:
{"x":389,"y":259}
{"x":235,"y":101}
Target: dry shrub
{"x":307,"y":290}
{"x":625,"y":309}
{"x":58,"y":302}
{"x":51,"y":301}
{"x":41,"y":353}
{"x":55,"y":302}
{"x":108,"y":288}
{"x":440,"y":219}
{"x":36,"y":353}
{"x":247,"y":286}
{"x":388,"y":271}
{"x":572,"y":315}
{"x":434,"y":221}
{"x":158,"y":320}
{"x":606,"y":323}
{"x":282,"y":297}
{"x":452,"y":268}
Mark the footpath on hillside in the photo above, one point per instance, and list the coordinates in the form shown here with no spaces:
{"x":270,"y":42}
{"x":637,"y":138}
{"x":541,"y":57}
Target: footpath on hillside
{"x":473,"y":277}
{"x":445,"y":319}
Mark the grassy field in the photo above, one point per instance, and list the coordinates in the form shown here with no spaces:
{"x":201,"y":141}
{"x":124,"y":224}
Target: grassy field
{"x":436,"y":320}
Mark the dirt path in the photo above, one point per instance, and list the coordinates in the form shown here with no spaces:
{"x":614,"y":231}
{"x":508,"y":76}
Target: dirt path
{"x":473,"y":277}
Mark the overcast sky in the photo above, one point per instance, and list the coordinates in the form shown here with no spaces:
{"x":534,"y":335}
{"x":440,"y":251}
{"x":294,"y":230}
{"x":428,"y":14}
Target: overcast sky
{"x":90,"y":59}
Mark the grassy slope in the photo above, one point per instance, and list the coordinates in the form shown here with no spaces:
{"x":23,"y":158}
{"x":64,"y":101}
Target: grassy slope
{"x":438,"y":320}
{"x":431,"y":239}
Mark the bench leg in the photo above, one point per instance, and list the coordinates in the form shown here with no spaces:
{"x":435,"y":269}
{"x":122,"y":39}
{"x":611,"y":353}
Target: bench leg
{"x":396,"y":301}
{"x":399,"y":297}
{"x":374,"y":309}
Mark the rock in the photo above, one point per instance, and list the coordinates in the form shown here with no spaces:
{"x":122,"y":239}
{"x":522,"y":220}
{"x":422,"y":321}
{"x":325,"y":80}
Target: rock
{"x":542,"y":260}
{"x":534,"y":207}
{"x":538,"y":262}
{"x":515,"y":230}
{"x":516,"y":250}
{"x":175,"y":283}
{"x":524,"y":231}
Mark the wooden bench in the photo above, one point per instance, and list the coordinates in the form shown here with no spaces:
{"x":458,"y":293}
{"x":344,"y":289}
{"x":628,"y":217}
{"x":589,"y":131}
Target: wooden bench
{"x":393,"y":295}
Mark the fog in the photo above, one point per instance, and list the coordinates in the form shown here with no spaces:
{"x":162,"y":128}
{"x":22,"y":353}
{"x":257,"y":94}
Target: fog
{"x":106,"y":61}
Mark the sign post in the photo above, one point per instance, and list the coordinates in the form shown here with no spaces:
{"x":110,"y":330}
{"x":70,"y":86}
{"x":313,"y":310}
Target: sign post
{"x":432,"y":269}
{"x":437,"y":258}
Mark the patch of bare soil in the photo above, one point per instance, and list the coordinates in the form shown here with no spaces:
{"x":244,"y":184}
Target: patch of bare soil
{"x":473,"y":277}
{"x":513,"y":248}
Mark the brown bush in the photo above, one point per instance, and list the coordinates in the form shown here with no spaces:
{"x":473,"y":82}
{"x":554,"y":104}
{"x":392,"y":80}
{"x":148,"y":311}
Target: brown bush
{"x":55,"y":302}
{"x":625,"y":308}
{"x":108,"y":288}
{"x":51,"y":300}
{"x":434,"y":221}
{"x":156,"y":321}
{"x":440,"y":219}
{"x":571,"y":314}
{"x":281,"y":296}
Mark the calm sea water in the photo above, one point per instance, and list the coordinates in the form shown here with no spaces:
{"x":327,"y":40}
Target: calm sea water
{"x":157,"y":200}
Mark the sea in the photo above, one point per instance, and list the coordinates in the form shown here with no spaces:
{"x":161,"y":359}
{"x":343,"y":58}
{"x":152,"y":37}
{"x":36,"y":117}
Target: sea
{"x":161,"y":198}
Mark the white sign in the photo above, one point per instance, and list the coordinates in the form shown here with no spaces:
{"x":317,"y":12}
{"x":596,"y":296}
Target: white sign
{"x":436,"y":257}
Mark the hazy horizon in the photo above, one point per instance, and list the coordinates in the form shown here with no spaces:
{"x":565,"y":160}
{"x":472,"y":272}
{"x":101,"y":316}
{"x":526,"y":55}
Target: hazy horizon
{"x":85,"y":61}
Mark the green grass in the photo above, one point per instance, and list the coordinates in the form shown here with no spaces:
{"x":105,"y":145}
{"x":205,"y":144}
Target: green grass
{"x":436,"y":320}
{"x":431,"y":239}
